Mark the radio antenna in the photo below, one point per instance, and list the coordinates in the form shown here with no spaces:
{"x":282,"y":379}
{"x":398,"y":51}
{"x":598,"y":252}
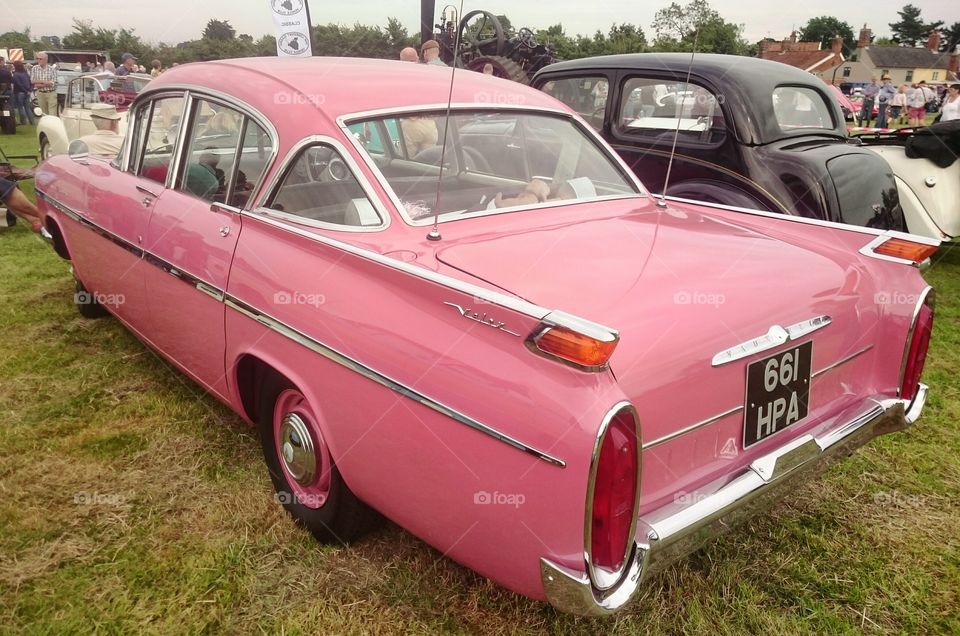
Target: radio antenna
{"x":434,"y":234}
{"x":676,"y":133}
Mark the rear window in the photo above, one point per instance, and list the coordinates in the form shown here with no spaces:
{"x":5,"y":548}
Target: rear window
{"x":797,"y":107}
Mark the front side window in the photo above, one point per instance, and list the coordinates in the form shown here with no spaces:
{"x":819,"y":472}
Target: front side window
{"x":658,"y":109}
{"x":797,"y":107}
{"x":490,"y":160}
{"x":75,"y":94}
{"x":157,"y":136}
{"x":585,"y":95}
{"x":319,"y":187}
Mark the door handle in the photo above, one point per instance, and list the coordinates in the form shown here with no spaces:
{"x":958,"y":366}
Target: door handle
{"x":147,"y":190}
{"x":146,"y":202}
{"x":224,"y":231}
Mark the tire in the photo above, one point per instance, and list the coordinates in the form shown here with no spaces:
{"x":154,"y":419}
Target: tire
{"x":87,"y":304}
{"x":44,"y":148}
{"x":503,"y":67}
{"x":320,"y":501}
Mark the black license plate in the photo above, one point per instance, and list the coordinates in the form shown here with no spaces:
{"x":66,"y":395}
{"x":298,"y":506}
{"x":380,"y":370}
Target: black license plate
{"x":778,"y":392}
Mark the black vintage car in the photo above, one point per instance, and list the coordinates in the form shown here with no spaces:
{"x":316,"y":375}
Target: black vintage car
{"x":749,"y":133}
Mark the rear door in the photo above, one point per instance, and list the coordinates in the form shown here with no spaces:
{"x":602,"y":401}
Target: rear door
{"x":193,"y":232}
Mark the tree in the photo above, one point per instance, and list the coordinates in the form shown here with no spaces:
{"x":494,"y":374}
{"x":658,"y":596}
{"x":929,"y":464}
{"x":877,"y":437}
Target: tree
{"x":950,"y":38}
{"x":911,"y":30}
{"x":18,"y":40}
{"x":219,"y":30}
{"x":679,"y":27}
{"x":824,"y":28}
{"x":626,"y":38}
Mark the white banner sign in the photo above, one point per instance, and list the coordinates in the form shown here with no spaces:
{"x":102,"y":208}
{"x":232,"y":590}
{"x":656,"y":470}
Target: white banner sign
{"x":292,"y":21}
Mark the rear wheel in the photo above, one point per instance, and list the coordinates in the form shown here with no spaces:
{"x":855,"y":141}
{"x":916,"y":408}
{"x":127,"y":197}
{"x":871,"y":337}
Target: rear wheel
{"x":305,"y":478}
{"x":44,"y":148}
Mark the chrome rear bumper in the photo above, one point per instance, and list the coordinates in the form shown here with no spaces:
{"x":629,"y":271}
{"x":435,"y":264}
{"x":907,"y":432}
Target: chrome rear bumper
{"x":663,"y":536}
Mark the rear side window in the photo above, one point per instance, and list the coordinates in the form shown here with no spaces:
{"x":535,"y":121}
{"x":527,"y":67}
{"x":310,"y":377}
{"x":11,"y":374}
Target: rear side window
{"x":319,"y":187}
{"x":656,"y":108}
{"x":797,"y":107}
{"x":586,"y":95}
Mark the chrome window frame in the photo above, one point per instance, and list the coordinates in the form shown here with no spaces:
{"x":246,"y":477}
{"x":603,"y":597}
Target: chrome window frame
{"x":131,"y":130}
{"x":344,"y":122}
{"x":276,"y":181}
{"x":190,"y":90}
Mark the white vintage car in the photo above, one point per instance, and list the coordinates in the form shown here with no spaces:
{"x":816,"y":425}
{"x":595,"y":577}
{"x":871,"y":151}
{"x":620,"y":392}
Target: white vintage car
{"x":54,"y":134}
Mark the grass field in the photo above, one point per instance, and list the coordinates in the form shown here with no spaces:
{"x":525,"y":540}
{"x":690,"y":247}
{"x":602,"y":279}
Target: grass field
{"x":130,"y":502}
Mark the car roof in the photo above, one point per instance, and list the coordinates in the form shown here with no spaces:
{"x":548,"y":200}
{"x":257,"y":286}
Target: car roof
{"x":746,"y":83}
{"x":340,"y":85}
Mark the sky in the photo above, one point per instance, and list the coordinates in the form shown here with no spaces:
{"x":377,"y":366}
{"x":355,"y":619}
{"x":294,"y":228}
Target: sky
{"x":174,"y":21}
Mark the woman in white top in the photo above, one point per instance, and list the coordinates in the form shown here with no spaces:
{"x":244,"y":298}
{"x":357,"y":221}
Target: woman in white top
{"x":950,"y":110}
{"x":898,"y":106}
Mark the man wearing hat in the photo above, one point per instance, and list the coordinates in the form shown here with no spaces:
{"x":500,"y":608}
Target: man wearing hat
{"x":128,"y":65}
{"x":106,"y":141}
{"x":430,"y":51}
{"x":884,"y":95}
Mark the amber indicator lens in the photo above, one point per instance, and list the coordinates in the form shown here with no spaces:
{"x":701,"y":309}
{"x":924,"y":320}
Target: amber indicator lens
{"x":902,"y":248}
{"x":576,"y":347}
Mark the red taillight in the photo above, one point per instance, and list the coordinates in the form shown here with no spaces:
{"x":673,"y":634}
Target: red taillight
{"x":613,"y":509}
{"x":917,"y":349}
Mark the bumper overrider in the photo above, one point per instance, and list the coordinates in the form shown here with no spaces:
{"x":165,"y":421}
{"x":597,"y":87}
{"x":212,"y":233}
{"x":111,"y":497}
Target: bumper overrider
{"x":664,"y":536}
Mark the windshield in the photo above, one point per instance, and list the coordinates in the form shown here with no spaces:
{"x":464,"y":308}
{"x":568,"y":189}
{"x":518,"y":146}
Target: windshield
{"x":492,"y":160}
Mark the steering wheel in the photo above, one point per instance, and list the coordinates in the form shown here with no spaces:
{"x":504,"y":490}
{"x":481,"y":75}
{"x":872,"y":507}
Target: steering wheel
{"x":474,"y":35}
{"x":526,"y":37}
{"x":318,"y":159}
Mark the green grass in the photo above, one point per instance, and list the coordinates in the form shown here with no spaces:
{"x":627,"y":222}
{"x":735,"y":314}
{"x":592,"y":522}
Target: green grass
{"x":130,"y":502}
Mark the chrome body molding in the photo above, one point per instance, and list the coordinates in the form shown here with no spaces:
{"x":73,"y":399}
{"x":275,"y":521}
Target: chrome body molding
{"x":668,"y":534}
{"x":719,"y":416}
{"x":513,"y":303}
{"x":301,"y":338}
{"x":807,"y":221}
{"x":371,"y":374}
{"x":775,"y":337}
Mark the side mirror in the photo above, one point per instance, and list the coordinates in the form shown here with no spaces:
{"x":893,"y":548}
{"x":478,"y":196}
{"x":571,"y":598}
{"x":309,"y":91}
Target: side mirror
{"x":79,"y":151}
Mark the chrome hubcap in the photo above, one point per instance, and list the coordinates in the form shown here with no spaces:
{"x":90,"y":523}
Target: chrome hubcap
{"x":296,"y":449}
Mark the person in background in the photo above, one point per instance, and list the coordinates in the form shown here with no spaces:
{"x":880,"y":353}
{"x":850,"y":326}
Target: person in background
{"x":409,"y":54}
{"x":109,"y":67}
{"x":22,"y":89}
{"x":898,"y":105}
{"x":431,"y":53}
{"x":43,"y":78}
{"x":105,"y":142}
{"x":128,"y":64}
{"x":19,"y":204}
{"x":950,"y":108}
{"x":156,"y":69}
{"x":916,"y":106}
{"x":6,"y":81}
{"x":488,"y":69}
{"x":929,"y":95}
{"x":869,"y":96}
{"x":884,"y":95}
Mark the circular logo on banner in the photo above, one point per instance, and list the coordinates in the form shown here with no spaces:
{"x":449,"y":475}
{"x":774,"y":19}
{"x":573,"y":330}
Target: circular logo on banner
{"x":293,"y":43}
{"x":287,"y":7}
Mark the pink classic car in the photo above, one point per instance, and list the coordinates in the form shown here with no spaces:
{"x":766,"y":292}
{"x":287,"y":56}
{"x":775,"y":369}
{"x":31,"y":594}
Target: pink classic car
{"x":468,"y":316}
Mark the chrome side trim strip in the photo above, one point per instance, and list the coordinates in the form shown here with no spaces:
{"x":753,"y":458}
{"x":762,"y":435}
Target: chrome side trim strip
{"x":775,"y":337}
{"x":371,"y":374}
{"x":845,"y":360}
{"x":691,"y":428}
{"x":513,"y":303}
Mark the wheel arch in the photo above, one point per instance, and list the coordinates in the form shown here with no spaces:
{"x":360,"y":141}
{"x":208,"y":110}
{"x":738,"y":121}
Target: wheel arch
{"x":717,"y":192}
{"x":57,"y":241}
{"x":56,"y":133}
